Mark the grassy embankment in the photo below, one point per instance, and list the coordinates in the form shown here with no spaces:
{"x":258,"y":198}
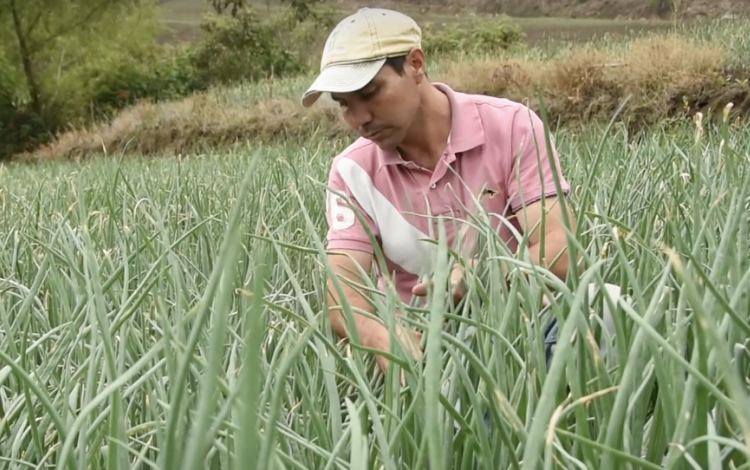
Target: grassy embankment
{"x":656,"y":77}
{"x":167,"y":313}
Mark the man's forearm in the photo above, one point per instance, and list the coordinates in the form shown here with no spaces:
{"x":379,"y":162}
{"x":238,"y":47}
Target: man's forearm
{"x":555,"y":256}
{"x":369,"y":330}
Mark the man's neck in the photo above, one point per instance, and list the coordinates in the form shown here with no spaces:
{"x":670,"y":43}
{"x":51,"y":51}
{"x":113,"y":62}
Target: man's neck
{"x":428,"y":136}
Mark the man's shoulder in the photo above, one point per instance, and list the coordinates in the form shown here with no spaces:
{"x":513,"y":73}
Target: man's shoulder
{"x":494,"y":107}
{"x":506,"y":116}
{"x":360,"y":148}
{"x":362,"y":152}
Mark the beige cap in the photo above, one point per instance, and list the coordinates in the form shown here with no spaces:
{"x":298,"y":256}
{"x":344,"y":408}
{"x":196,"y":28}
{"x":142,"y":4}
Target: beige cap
{"x":357,"y":48}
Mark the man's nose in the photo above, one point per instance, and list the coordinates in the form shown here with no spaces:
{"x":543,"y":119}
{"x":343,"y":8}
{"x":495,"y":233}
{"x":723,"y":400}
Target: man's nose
{"x":359,"y":116}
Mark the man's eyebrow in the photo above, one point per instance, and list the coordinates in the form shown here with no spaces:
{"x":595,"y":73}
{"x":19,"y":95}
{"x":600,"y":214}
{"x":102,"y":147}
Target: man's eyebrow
{"x":363,"y":90}
{"x":370,"y":84}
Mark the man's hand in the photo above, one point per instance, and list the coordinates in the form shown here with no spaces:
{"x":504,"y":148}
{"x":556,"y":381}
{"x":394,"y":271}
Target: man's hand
{"x":456,"y":284}
{"x":410,"y":339}
{"x":372,"y":333}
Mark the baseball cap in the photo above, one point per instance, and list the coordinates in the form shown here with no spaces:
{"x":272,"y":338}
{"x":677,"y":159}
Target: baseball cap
{"x":358,"y":47}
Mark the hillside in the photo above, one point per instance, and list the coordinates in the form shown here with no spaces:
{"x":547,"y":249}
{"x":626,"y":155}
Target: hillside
{"x":173,"y":98}
{"x":605,"y":9}
{"x":584,"y":19}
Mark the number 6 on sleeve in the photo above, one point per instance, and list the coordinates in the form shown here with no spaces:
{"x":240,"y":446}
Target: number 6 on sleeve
{"x":341,"y":215}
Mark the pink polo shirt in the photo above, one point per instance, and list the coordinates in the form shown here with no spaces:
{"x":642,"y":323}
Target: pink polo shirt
{"x":495,"y":144}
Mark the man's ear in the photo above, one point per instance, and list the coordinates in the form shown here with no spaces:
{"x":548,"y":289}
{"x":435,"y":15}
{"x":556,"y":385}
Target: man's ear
{"x":416,"y":60}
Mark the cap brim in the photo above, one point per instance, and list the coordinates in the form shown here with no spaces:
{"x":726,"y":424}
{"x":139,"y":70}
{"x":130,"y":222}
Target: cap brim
{"x":343,"y":78}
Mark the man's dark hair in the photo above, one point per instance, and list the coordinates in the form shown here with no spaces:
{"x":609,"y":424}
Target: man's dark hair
{"x":397,"y":63}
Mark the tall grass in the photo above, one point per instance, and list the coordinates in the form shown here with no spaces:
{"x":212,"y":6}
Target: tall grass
{"x":164,"y":313}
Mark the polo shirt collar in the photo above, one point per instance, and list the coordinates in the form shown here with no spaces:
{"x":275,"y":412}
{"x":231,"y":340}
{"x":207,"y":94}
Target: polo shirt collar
{"x":466,"y":131}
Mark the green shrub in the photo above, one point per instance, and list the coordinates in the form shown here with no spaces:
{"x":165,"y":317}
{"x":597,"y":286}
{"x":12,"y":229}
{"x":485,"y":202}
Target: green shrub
{"x":108,"y":69}
{"x":240,"y":48}
{"x":83,"y":72}
{"x":166,"y":74}
{"x":307,"y":37}
{"x":479,"y":35}
{"x":101,"y":60}
{"x":20,"y":128}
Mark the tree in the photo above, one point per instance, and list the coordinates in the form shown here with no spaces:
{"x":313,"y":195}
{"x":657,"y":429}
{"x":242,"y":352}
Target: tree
{"x":234,"y":7}
{"x":303,"y":9}
{"x":39,"y":34}
{"x":55,"y":53}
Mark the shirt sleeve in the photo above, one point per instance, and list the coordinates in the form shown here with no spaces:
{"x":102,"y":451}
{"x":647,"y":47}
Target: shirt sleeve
{"x":345,"y":230}
{"x":531,"y":177}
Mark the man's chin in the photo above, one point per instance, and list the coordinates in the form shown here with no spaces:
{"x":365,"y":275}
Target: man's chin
{"x":385,"y":144}
{"x":388,"y":143}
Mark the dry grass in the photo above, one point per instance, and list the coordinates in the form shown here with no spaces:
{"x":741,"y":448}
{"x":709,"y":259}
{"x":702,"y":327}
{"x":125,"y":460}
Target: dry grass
{"x":590,"y":84}
{"x":661,"y":78}
{"x":202,"y":120}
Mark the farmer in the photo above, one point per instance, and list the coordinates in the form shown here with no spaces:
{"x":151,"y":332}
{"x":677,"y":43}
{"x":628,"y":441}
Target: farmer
{"x":425,"y":150}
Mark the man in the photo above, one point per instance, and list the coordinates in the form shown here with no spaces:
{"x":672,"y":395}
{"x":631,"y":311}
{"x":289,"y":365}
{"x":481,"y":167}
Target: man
{"x":424,"y":149}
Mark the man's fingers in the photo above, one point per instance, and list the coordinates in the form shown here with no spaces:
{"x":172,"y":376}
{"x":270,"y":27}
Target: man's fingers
{"x":420,"y":289}
{"x":382,"y":363}
{"x":456,"y":283}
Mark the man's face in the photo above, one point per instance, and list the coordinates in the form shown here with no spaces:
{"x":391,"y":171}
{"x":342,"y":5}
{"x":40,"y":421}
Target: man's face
{"x":384,"y":110}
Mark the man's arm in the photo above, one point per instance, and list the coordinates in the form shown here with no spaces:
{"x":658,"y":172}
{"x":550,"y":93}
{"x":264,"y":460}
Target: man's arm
{"x":534,"y":195}
{"x":351,"y":252}
{"x":371,"y":332}
{"x":553,"y":239}
{"x":345,"y":264}
{"x":534,"y":200}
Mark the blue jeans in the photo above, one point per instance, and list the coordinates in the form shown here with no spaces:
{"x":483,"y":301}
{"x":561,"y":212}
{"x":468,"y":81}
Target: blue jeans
{"x":552,"y":330}
{"x":551,"y":334}
{"x":550,"y":340}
